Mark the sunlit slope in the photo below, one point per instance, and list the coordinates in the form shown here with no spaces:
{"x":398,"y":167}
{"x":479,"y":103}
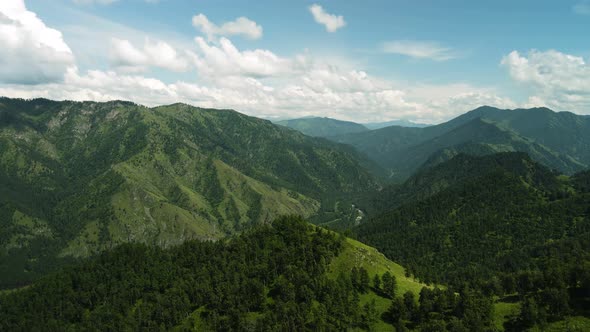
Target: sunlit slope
{"x":93,"y":175}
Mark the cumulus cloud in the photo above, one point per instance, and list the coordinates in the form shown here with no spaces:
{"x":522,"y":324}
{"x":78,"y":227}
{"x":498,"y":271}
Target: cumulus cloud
{"x":98,"y":86}
{"x":257,"y":82}
{"x":320,"y":89}
{"x":443,"y":102}
{"x":224,"y":59}
{"x":324,"y":77}
{"x":126,"y":57}
{"x":31,"y":52}
{"x":558,"y":80}
{"x":330,"y":21}
{"x":419,"y":49}
{"x":242,"y":26}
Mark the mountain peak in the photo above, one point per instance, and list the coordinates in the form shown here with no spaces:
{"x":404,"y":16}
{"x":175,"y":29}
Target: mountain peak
{"x":485,"y":108}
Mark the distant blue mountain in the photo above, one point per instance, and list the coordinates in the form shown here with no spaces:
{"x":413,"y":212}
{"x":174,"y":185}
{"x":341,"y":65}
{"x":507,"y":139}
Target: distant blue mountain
{"x":323,"y":127}
{"x":401,"y":123}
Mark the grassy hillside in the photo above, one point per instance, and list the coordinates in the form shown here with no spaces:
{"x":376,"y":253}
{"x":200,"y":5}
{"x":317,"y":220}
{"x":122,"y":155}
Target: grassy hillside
{"x":357,"y":254}
{"x":81,"y":177}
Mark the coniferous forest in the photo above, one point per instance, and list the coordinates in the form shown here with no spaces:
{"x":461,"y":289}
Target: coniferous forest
{"x":515,"y":231}
{"x":270,"y":278}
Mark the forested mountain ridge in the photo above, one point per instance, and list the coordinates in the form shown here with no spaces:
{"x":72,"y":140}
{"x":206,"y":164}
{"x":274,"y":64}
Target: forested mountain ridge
{"x":466,"y":200}
{"x":323,"y":127}
{"x":500,"y":223}
{"x":455,"y":171}
{"x":327,"y":127}
{"x":79,"y":177}
{"x":558,"y":140}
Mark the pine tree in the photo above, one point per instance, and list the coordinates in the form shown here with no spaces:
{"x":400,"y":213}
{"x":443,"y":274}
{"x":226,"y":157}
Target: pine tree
{"x":364,"y":280}
{"x":529,"y":312}
{"x":377,"y":282}
{"x":389,"y":284}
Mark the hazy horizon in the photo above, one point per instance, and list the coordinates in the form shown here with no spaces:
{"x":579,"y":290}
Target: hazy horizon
{"x":369,"y":62}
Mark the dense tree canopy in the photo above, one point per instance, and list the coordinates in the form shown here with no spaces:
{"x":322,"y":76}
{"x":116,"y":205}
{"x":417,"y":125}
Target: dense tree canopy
{"x":513,"y":228}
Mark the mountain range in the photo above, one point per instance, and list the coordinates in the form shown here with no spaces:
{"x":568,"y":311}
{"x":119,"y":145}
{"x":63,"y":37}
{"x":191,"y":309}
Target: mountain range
{"x":558,"y":140}
{"x":327,"y":127}
{"x":118,"y":216}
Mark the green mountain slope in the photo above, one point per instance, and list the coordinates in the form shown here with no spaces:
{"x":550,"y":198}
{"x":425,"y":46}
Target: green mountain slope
{"x":486,"y":211}
{"x":477,"y":137}
{"x":501,"y":223}
{"x":564,"y":132}
{"x":359,"y":255}
{"x":558,"y":140}
{"x":323,"y":127}
{"x":82,"y":177}
{"x":456,"y":171}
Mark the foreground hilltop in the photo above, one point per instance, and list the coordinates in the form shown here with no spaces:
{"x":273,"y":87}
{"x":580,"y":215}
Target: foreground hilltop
{"x":288,"y":276}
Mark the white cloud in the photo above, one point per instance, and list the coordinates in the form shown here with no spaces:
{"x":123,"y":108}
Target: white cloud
{"x":443,"y":102}
{"x":98,"y":86}
{"x":582,"y":8}
{"x":330,"y":21}
{"x":558,"y":80}
{"x":126,"y":57}
{"x":257,"y":82}
{"x":419,"y":49}
{"x":90,"y":37}
{"x":31,"y":52}
{"x":226,"y":60}
{"x":323,"y":77}
{"x":242,"y":26}
{"x":360,"y":98}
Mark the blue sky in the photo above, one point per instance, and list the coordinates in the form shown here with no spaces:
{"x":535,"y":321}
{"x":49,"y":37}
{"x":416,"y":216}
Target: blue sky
{"x":356,"y":60}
